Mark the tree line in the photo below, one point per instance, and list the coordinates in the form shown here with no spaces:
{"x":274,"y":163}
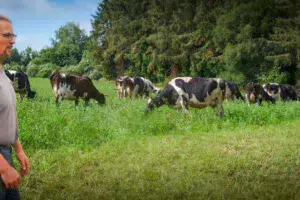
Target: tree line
{"x":244,"y":41}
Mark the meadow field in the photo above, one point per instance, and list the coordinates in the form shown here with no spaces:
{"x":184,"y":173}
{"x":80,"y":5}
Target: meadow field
{"x":116,"y":151}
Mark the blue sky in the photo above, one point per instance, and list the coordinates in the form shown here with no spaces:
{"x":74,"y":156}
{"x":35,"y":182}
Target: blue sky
{"x":35,"y":21}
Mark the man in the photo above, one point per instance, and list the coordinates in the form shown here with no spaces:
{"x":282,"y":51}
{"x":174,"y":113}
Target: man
{"x":10,"y":178}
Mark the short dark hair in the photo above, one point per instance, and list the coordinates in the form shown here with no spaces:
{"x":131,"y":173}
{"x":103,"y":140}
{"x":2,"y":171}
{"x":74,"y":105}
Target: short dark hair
{"x":4,"y":18}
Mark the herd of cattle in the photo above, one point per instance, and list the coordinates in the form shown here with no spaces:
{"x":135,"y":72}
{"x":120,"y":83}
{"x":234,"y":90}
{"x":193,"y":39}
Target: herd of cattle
{"x":180,"y":92}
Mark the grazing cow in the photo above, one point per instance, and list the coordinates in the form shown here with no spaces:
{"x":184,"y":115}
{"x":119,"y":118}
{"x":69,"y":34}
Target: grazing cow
{"x":20,"y":82}
{"x":281,"y":92}
{"x":196,"y":92}
{"x":73,"y":87}
{"x":134,"y":86}
{"x":232,"y":91}
{"x":254,"y":93}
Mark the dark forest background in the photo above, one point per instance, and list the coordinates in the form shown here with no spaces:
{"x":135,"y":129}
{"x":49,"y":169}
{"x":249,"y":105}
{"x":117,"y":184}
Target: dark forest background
{"x":242,"y":40}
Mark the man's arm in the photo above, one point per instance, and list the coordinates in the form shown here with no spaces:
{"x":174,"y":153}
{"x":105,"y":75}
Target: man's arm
{"x":23,"y":160}
{"x":9,"y":175}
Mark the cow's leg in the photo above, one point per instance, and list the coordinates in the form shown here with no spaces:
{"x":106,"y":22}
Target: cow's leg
{"x":57,"y":100}
{"x":135,"y":91}
{"x":220,"y":108}
{"x":183,"y":103}
{"x":247,"y":99}
{"x":86,"y":102}
{"x":21,"y":96}
{"x":258,"y":101}
{"x":129,"y":92}
{"x":76,"y":101}
{"x":123,"y":94}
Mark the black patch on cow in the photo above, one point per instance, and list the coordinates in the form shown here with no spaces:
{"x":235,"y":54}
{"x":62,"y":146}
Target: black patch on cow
{"x":199,"y":87}
{"x":140,"y":82}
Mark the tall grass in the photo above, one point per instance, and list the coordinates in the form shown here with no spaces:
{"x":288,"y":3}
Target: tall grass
{"x":116,"y":151}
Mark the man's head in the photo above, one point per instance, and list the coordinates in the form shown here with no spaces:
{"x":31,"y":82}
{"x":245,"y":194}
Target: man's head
{"x":7,"y":38}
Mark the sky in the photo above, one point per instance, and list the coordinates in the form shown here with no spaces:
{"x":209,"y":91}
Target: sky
{"x":35,"y":21}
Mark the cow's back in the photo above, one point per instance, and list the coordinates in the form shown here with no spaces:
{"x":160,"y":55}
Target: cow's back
{"x":199,"y":92}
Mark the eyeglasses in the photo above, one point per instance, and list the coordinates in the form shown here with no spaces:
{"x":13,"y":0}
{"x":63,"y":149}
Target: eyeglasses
{"x":9,"y":36}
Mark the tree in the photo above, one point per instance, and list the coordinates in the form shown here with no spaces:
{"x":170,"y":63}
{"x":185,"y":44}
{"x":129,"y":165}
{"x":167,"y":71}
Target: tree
{"x":14,"y":57}
{"x":27,"y":55}
{"x":68,"y":45}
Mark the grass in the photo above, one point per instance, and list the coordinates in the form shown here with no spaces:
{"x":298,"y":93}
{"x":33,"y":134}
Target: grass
{"x":117,"y":152}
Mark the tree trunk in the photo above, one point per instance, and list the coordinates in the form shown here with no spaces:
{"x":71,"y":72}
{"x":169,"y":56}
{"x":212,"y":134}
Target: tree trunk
{"x":174,"y":71}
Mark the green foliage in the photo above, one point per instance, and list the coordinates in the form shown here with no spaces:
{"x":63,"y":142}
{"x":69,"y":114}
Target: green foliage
{"x":199,"y":38}
{"x":27,"y":55}
{"x":41,"y":71}
{"x":14,"y":57}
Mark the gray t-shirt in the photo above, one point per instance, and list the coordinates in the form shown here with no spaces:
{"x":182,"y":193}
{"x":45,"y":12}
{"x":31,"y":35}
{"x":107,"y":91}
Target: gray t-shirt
{"x":8,"y":113}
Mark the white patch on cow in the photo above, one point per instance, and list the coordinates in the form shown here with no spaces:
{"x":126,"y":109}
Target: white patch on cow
{"x":179,"y":90}
{"x":277,"y":95}
{"x":12,"y":72}
{"x":149,"y":88}
{"x":195,"y":103}
{"x":65,"y":92}
{"x":228,"y":93}
{"x":55,"y":90}
{"x":215,"y":96}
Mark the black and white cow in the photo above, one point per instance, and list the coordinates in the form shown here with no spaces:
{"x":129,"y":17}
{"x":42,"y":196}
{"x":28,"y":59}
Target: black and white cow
{"x":281,"y":92}
{"x":20,"y":82}
{"x":134,"y":87}
{"x":254,"y":93}
{"x":197,"y":92}
{"x":232,"y":91}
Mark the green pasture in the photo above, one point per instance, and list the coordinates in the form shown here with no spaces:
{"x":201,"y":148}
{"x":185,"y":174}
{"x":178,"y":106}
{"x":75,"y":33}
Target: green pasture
{"x":115,"y":151}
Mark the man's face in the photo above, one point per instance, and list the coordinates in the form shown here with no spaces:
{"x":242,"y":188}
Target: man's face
{"x":6,"y":43}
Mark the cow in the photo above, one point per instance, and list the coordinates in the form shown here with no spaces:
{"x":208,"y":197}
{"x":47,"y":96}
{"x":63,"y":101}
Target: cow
{"x":254,"y":93}
{"x":197,"y":92}
{"x":120,"y":86}
{"x":281,"y":92}
{"x":72,"y":87}
{"x":20,"y":83}
{"x":135,"y":86}
{"x":232,"y":91}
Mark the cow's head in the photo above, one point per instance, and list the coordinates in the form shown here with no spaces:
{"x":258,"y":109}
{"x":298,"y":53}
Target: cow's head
{"x":54,"y":76}
{"x":156,"y":90}
{"x":158,"y":101}
{"x":271,"y":88}
{"x":257,"y":94}
{"x":100,"y":98}
{"x":17,"y":79}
